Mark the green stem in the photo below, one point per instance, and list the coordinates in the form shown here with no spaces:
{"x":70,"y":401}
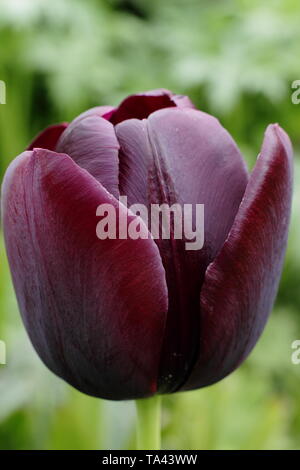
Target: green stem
{"x":148,"y":423}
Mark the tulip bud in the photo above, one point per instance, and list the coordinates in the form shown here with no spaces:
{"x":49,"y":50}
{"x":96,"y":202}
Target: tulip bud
{"x":125,"y":317}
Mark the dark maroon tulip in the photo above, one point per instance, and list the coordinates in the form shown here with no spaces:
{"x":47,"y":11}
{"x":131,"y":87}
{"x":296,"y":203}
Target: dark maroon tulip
{"x":123,"y":319}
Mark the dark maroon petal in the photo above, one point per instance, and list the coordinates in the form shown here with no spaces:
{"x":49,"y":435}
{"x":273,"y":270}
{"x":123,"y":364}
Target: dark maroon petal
{"x":140,"y":106}
{"x":94,"y":310}
{"x":186,"y":157}
{"x":180,"y":101}
{"x":241,"y":283}
{"x":48,"y":138}
{"x":91,"y":142}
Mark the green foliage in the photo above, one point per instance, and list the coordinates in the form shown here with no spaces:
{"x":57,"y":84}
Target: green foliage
{"x":237,"y":60}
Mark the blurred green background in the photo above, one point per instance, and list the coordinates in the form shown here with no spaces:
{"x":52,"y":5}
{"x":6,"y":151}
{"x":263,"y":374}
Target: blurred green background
{"x":236,"y":60}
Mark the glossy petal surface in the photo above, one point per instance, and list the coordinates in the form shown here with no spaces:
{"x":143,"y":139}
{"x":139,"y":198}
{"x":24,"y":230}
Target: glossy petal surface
{"x":241,"y":283}
{"x":91,"y":142}
{"x":186,"y":157}
{"x":94,"y":309}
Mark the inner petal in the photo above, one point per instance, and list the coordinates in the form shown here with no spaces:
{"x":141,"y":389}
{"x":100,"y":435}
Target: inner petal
{"x":184,"y":157}
{"x":140,"y":106}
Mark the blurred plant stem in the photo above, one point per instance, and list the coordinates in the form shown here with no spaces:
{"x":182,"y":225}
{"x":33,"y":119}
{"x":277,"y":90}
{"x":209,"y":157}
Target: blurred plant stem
{"x":149,"y":423}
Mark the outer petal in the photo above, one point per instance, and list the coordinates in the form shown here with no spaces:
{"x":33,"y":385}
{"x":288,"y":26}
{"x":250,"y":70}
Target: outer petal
{"x":241,"y":284}
{"x":186,"y":157}
{"x":48,"y":138}
{"x":140,"y":106}
{"x":94,"y":310}
{"x":91,"y":142}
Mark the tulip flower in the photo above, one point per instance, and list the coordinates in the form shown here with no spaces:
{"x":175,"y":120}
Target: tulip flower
{"x":128,"y":319}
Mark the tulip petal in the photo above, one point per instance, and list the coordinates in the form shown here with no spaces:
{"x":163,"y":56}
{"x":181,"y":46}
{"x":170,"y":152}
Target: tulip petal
{"x":241,"y":283}
{"x":91,"y":142}
{"x":183,"y":156}
{"x":47,"y":139}
{"x":94,"y":309}
{"x":99,"y":111}
{"x":140,"y":106}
